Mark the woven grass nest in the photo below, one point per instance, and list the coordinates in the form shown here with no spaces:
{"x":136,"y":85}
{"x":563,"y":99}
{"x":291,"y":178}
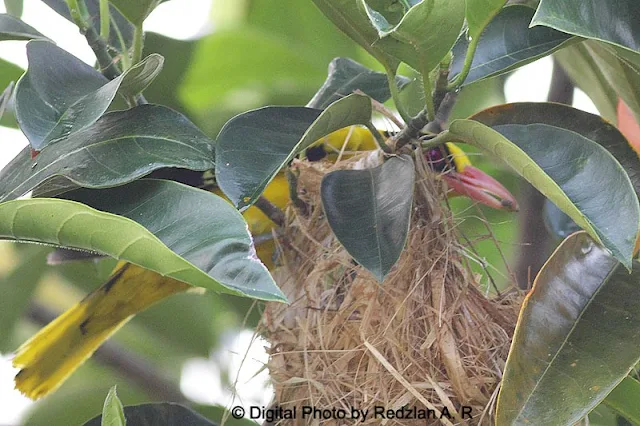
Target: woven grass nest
{"x":426,"y":338}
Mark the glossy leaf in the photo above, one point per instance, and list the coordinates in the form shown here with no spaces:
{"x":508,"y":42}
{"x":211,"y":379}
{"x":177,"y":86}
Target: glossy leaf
{"x":506,"y":43}
{"x":615,"y":22}
{"x":252,"y":147}
{"x":558,"y":223}
{"x":480,"y":12}
{"x":12,"y":28}
{"x":14,"y":7}
{"x":576,"y":337}
{"x":346,"y":76}
{"x":624,"y":398}
{"x":578,"y":174}
{"x":118,"y":148}
{"x":175,"y":230}
{"x":112,"y":411}
{"x":350,"y":18}
{"x":121,"y":29}
{"x":51,"y":105}
{"x":587,"y":75}
{"x":369,"y":210}
{"x":135,"y":11}
{"x":158,"y":414}
{"x":426,"y":32}
{"x":17,"y":288}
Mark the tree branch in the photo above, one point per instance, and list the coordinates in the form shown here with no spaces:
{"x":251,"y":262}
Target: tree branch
{"x":270,"y":210}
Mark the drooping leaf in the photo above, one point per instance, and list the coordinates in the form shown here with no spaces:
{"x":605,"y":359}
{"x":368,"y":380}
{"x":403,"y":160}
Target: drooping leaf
{"x":135,"y":11}
{"x":624,"y":398}
{"x":17,"y":288}
{"x":571,"y":169}
{"x":14,"y":7}
{"x":576,"y":337}
{"x":175,"y":230}
{"x":60,"y":95}
{"x":252,"y":147}
{"x":505,"y":44}
{"x":426,"y":32}
{"x":112,"y":411}
{"x":158,"y":414}
{"x":615,"y":22}
{"x":558,"y":223}
{"x":118,"y":148}
{"x":12,"y":28}
{"x":587,"y":75}
{"x":121,"y":31}
{"x":346,"y":76}
{"x":349,"y":17}
{"x":369,"y":210}
{"x":480,"y":12}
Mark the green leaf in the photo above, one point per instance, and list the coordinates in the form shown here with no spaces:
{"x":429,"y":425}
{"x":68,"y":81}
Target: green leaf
{"x":135,"y":11}
{"x":218,"y":412}
{"x":52,"y":105}
{"x":5,"y":96}
{"x":199,"y":238}
{"x":159,"y":414}
{"x":14,"y":7}
{"x":614,"y":22}
{"x":369,"y":210}
{"x":252,"y":147}
{"x":112,"y":411}
{"x":9,"y":75}
{"x":121,"y":29}
{"x":120,"y":147}
{"x":480,"y":12}
{"x":576,"y":337}
{"x":570,"y":168}
{"x":624,"y":398}
{"x":586,"y":74}
{"x":16,"y":288}
{"x":350,"y":18}
{"x":506,"y":43}
{"x":426,"y":32}
{"x":558,"y":223}
{"x":12,"y":28}
{"x":346,"y":76}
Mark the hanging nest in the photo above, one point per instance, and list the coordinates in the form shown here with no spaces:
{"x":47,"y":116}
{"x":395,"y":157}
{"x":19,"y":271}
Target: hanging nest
{"x":426,"y":339}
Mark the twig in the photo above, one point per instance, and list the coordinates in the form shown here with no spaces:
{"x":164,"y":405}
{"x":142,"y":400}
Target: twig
{"x":412,"y":130}
{"x":126,"y":363}
{"x":270,"y":210}
{"x":444,"y":111}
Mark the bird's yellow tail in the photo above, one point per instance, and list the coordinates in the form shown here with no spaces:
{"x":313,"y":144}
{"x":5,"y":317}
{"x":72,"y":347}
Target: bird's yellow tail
{"x":55,"y":352}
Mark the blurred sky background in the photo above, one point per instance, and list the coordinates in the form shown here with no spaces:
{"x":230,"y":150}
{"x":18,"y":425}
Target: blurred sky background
{"x":186,"y":19}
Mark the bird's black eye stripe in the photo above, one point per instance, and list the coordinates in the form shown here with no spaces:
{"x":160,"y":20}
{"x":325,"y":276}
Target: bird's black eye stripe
{"x":316,"y":153}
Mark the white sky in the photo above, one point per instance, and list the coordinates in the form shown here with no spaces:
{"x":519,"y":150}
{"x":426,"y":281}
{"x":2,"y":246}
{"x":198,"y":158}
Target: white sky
{"x":186,"y":19}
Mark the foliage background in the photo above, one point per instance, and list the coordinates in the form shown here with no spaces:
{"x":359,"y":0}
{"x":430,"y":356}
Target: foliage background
{"x":222,"y":57}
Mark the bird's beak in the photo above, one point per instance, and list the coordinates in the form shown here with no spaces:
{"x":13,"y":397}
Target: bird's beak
{"x":480,"y":187}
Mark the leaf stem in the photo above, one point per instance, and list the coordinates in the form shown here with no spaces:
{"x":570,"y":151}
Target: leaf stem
{"x":440,"y":139}
{"x":104,"y":19}
{"x":395,"y":93}
{"x":378,"y":137}
{"x":138,"y":43}
{"x":428,"y":95}
{"x":466,"y":67}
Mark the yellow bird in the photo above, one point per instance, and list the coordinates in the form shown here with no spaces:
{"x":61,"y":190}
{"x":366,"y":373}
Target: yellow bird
{"x":57,"y":350}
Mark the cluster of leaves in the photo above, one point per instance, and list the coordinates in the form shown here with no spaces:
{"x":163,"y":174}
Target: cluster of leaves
{"x":93,"y":139}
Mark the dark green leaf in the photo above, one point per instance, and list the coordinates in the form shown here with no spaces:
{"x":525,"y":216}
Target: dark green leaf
{"x":480,"y":12}
{"x":12,"y":28}
{"x":506,"y":43}
{"x":17,"y":288}
{"x":369,"y":210}
{"x":135,"y":11}
{"x":121,"y":30}
{"x":348,"y":16}
{"x":624,"y":399}
{"x":558,"y":223}
{"x":576,"y":337}
{"x":112,"y":412}
{"x":571,"y":169}
{"x":175,"y":230}
{"x":426,"y":32}
{"x":14,"y":7}
{"x":120,"y":147}
{"x":615,"y":22}
{"x":60,"y":95}
{"x":217,"y":412}
{"x":587,"y":75}
{"x":252,"y":147}
{"x":158,"y":414}
{"x":346,"y":76}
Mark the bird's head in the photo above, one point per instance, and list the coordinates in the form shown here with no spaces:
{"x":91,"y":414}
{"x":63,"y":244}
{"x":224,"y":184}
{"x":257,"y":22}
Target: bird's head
{"x":466,"y":180}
